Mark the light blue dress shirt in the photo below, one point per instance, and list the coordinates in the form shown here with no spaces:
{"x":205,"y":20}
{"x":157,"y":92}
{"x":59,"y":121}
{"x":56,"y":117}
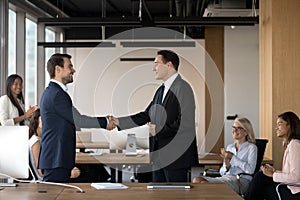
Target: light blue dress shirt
{"x":243,"y":160}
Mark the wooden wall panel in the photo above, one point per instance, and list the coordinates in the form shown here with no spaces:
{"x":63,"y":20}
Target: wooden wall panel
{"x":279,"y":67}
{"x":214,"y":45}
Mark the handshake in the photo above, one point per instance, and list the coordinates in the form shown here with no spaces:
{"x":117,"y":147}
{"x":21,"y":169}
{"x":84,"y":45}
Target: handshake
{"x":113,"y":122}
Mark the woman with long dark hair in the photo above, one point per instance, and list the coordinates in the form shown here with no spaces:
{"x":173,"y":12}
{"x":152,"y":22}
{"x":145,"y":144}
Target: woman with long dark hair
{"x":12,"y":107}
{"x":263,"y":185}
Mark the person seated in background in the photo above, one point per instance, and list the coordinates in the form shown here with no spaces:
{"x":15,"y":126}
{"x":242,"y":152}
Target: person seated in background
{"x":86,"y":173}
{"x":35,"y":134}
{"x":239,"y":157}
{"x":263,"y":185}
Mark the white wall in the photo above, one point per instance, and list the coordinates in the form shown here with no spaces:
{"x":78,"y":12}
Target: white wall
{"x":105,"y":85}
{"x":241,"y":77}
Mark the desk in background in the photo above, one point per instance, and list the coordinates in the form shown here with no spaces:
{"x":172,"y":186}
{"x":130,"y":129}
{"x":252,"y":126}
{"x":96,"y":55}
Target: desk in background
{"x":210,"y":159}
{"x":215,"y":159}
{"x":91,"y":145}
{"x":39,"y":191}
{"x":113,"y":160}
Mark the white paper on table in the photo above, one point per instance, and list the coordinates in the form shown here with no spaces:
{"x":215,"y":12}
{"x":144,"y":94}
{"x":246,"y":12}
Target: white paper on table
{"x":108,"y":186}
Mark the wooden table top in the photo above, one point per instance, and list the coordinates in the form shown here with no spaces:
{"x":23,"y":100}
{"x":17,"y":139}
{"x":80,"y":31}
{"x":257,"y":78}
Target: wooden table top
{"x":120,"y":158}
{"x":111,"y":158}
{"x":92,"y":145}
{"x":33,"y":191}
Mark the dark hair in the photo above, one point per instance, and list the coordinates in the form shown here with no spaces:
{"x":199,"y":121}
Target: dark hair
{"x":293,"y":120}
{"x":56,"y":59}
{"x":34,"y":122}
{"x":9,"y":82}
{"x":171,"y":56}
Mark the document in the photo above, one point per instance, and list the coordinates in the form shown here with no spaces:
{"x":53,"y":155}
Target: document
{"x":108,"y":186}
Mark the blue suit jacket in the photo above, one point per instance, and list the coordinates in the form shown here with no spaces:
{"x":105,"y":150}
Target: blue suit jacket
{"x":174,"y":145}
{"x":59,"y":119}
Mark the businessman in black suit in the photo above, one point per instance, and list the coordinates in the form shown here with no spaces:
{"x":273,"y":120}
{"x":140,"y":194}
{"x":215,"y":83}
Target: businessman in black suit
{"x":60,"y":120}
{"x":171,"y":117}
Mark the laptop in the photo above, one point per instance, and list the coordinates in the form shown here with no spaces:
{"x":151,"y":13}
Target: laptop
{"x":169,"y":186}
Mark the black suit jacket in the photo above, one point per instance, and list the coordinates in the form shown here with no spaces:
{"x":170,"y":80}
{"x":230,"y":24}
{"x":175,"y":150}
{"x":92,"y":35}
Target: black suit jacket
{"x":59,"y":119}
{"x":174,"y":145}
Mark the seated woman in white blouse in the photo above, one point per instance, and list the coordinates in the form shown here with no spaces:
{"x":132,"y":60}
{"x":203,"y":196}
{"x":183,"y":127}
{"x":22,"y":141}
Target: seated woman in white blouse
{"x":12,"y":108}
{"x":239,"y":157}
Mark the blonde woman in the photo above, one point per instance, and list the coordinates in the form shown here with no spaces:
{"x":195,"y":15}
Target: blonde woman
{"x":239,"y":157}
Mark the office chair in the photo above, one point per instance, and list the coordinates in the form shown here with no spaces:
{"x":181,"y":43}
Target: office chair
{"x":34,"y":175}
{"x":261,"y":147}
{"x":287,"y":184}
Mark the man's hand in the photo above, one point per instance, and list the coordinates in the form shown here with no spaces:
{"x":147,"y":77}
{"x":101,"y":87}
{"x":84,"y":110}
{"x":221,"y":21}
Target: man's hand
{"x":152,"y":128}
{"x":113,"y":122}
{"x":75,"y":172}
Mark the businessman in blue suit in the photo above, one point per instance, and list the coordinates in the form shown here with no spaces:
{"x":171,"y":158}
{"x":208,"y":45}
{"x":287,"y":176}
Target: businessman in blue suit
{"x":60,"y":120}
{"x":171,"y":117}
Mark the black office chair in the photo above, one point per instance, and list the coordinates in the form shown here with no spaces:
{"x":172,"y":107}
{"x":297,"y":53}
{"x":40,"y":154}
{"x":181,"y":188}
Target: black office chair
{"x":288,"y":184}
{"x":261,"y":147}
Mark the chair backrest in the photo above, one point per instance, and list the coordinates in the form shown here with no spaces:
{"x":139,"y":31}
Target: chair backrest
{"x":33,"y":167}
{"x":261,"y":147}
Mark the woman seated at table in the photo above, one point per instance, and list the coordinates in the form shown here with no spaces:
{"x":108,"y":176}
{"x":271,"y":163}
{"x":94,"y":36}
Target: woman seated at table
{"x":239,"y":157}
{"x":86,"y":173}
{"x":263,"y":185}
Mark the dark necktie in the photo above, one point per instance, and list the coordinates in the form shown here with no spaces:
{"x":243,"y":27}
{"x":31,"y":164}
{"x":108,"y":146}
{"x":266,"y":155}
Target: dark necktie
{"x":160,"y":94}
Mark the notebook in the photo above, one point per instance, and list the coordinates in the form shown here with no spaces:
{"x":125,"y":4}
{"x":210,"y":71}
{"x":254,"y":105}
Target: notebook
{"x":168,"y":186}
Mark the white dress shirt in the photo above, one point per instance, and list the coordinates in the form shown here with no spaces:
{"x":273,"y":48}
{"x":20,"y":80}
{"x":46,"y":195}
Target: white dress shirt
{"x":168,"y":84}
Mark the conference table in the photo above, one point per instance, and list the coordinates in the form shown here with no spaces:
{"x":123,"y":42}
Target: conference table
{"x":38,"y":191}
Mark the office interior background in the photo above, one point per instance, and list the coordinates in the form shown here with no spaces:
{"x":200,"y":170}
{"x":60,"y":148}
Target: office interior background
{"x":257,"y":57}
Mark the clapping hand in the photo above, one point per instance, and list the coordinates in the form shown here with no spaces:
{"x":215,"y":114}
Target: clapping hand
{"x":226,"y":155}
{"x":113,"y":122}
{"x":268,"y":170}
{"x":30,"y":111}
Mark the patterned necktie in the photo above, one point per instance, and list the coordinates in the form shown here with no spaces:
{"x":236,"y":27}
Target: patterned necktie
{"x":160,"y":94}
